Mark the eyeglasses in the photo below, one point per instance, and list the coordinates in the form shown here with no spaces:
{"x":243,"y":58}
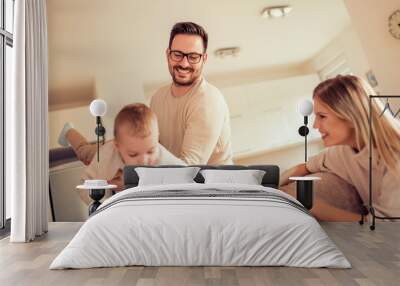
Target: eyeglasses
{"x":177,"y":56}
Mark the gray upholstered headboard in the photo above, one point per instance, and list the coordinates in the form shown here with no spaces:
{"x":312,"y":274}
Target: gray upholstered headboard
{"x":270,"y":179}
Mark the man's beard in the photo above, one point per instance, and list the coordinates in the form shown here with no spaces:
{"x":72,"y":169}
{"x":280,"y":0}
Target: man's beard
{"x":195,"y":74}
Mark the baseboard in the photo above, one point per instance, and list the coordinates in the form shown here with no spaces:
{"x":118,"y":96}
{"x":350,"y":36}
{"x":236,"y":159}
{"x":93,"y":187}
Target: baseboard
{"x":5,"y":231}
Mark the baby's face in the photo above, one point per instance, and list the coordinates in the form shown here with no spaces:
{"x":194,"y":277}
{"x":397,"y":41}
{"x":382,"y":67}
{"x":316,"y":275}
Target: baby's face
{"x":135,"y":150}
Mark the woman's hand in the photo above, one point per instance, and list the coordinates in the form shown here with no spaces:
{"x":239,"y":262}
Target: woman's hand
{"x":297,"y":171}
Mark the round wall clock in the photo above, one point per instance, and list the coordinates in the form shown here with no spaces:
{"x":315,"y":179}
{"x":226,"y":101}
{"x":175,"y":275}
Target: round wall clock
{"x":394,"y":24}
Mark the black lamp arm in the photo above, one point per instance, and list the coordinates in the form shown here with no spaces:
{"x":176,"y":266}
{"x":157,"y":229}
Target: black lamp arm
{"x":100,"y":132}
{"x":303,"y":131}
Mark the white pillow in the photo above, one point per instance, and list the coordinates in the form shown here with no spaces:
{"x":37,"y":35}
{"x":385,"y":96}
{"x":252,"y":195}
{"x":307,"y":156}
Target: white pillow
{"x":162,"y":176}
{"x":248,"y":177}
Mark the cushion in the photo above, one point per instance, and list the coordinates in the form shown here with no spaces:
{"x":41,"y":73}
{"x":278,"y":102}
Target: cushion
{"x":248,"y":177}
{"x":162,"y":176}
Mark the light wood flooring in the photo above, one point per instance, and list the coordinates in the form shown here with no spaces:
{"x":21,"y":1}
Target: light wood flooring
{"x":374,"y":255}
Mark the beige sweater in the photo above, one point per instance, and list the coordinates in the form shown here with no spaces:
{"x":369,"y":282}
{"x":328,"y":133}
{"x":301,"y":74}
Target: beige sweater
{"x":354,"y":168}
{"x":196,"y":126}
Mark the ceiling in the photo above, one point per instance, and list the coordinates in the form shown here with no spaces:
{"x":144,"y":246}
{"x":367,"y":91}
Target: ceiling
{"x":91,"y":37}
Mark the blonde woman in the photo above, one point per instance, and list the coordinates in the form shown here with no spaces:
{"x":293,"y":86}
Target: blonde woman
{"x":341,"y":107}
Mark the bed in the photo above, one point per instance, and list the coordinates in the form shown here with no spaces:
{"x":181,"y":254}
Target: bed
{"x":201,"y":224}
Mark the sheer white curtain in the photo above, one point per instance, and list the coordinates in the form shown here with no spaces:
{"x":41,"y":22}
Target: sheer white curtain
{"x":27,"y":150}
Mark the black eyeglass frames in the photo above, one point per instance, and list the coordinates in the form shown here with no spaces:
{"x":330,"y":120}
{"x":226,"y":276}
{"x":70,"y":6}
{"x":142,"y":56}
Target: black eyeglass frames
{"x":177,"y":56}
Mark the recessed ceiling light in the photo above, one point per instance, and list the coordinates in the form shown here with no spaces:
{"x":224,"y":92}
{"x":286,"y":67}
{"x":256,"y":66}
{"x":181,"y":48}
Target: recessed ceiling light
{"x":276,"y":11}
{"x":229,"y":51}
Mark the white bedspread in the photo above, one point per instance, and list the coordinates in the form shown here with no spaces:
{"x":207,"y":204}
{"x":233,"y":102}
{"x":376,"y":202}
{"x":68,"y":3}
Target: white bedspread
{"x":181,"y":231}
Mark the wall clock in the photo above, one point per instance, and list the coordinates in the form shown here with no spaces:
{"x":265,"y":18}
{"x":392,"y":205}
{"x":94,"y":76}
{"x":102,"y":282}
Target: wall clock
{"x":394,"y":24}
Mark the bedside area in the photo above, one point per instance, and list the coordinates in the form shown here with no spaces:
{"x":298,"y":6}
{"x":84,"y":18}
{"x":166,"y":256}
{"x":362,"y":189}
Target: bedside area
{"x":64,"y":175}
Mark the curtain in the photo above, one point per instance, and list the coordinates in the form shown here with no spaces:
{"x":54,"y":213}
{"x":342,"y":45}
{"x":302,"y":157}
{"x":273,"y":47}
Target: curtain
{"x":27,"y":121}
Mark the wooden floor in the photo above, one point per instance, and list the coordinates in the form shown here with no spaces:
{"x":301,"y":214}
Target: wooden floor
{"x":375,"y":257}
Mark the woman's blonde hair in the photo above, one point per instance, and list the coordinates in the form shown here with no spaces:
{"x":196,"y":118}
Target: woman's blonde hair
{"x":348,"y":97}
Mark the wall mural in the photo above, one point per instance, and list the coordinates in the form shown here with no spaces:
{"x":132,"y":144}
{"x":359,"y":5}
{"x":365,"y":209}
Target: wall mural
{"x":213,"y":102}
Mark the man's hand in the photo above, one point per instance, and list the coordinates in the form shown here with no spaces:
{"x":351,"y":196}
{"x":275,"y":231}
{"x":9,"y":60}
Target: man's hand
{"x":117,"y":180}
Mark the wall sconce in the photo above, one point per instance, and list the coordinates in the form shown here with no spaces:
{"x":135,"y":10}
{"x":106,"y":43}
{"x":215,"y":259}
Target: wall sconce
{"x":98,"y":108}
{"x":305,"y":108}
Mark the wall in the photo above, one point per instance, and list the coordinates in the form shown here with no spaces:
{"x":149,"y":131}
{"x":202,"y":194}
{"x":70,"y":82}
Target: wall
{"x":286,"y":157}
{"x":244,"y":76}
{"x":264,"y":114}
{"x":346,"y":44}
{"x":116,"y":88}
{"x":370,"y":19}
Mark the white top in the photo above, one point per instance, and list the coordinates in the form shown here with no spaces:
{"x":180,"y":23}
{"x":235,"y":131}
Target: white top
{"x":304,"y":178}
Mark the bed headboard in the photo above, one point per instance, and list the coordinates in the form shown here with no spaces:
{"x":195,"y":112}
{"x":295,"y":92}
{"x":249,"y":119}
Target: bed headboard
{"x":270,"y":179}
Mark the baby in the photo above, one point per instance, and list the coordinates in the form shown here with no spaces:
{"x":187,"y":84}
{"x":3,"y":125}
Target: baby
{"x":135,"y":143}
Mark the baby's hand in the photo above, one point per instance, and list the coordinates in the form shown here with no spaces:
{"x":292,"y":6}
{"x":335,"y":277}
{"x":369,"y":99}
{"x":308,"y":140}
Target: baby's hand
{"x":118,"y":180}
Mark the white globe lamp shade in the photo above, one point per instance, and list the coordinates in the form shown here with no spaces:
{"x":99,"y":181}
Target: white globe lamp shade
{"x":305,"y":107}
{"x":98,"y":107}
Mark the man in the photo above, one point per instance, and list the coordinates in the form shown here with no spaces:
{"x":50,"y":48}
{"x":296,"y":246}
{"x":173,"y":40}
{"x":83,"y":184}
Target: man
{"x":192,"y":114}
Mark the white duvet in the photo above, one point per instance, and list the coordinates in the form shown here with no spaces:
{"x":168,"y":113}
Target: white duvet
{"x":183,"y":231}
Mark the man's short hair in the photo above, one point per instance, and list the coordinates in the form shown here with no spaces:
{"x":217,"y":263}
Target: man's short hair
{"x":188,"y":28}
{"x":138,"y":116}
